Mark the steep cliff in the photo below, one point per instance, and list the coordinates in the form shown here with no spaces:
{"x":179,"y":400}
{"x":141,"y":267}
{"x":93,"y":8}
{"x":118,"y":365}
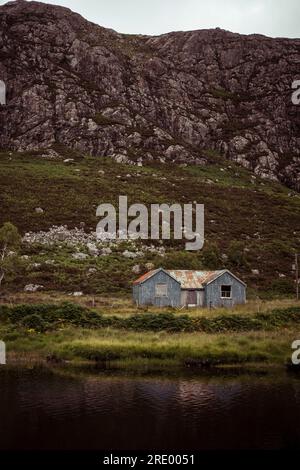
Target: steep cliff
{"x":182,"y":97}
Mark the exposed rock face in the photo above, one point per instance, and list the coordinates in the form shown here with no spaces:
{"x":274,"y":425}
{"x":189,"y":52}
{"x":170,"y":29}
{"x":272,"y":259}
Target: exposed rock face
{"x":184,"y":96}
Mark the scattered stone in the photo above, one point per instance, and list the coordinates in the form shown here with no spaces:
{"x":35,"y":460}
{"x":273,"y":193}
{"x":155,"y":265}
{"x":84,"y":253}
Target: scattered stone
{"x":32,"y":287}
{"x":39,"y":210}
{"x":50,"y":154}
{"x":50,"y":262}
{"x":149,"y":266}
{"x":255,"y":272}
{"x":93,"y":250}
{"x":61,"y":236}
{"x":106,"y":251}
{"x":80,"y":256}
{"x":36,"y":265}
{"x":92,"y":270}
{"x":129,"y":254}
{"x":80,"y":240}
{"x":136,"y":269}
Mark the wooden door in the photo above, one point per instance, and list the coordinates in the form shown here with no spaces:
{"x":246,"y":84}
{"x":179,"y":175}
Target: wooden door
{"x":192,"y":297}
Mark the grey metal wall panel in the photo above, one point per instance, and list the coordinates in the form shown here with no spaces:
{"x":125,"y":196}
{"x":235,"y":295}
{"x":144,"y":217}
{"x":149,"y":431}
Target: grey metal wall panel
{"x":146,"y":292}
{"x":213,"y":292}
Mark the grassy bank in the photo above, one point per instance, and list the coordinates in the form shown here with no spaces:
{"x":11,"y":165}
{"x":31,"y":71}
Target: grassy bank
{"x":116,"y":348}
{"x":75,"y":333}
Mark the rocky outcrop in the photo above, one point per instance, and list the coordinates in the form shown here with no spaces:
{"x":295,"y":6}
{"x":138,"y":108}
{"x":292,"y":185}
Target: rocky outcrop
{"x":183,"y":97}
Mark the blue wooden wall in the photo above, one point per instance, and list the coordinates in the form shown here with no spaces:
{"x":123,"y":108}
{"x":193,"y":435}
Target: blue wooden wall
{"x":213,"y":292}
{"x":144,"y":293}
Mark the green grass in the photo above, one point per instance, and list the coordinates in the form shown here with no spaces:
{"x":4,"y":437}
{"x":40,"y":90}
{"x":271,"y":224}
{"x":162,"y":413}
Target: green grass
{"x":163,"y":349}
{"x":71,"y":332}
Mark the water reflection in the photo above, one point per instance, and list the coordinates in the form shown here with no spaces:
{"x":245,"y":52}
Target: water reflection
{"x":41,"y":410}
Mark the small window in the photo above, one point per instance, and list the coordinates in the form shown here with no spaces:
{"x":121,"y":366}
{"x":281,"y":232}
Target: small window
{"x":226,"y":292}
{"x":161,"y":290}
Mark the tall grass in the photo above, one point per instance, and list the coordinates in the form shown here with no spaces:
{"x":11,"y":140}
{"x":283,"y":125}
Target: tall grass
{"x":181,"y":349}
{"x":73,"y":332}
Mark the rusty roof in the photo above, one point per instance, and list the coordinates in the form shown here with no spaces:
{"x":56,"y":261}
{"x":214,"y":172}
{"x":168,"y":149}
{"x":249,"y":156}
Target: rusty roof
{"x":194,"y":279}
{"x":145,"y":276}
{"x":187,"y":278}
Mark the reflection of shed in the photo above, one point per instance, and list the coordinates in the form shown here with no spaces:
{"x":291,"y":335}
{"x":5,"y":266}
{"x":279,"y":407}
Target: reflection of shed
{"x":2,"y":92}
{"x":189,"y":288}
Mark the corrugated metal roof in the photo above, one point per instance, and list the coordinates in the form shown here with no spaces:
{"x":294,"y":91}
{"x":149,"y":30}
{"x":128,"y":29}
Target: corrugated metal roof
{"x":145,"y":276}
{"x":194,"y":279}
{"x":187,"y":278}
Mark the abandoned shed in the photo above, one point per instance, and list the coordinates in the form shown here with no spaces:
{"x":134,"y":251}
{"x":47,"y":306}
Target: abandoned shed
{"x":189,"y":288}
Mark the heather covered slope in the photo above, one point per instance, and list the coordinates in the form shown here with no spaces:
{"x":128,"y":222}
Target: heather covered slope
{"x":174,"y":98}
{"x":250,"y":224}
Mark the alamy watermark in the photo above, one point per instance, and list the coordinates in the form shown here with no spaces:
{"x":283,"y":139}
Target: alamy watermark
{"x":2,"y":353}
{"x":296,"y":93}
{"x":162,"y":222}
{"x":296,"y":354}
{"x":2,"y":92}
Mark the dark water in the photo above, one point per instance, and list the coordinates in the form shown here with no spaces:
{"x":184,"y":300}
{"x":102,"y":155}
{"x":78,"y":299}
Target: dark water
{"x":44,"y":410}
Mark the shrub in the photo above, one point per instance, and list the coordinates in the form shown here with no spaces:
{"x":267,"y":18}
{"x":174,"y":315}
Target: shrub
{"x":44,"y":317}
{"x":35,"y":322}
{"x":282,"y":286}
{"x":211,"y":256}
{"x":236,"y":254}
{"x":4,"y":313}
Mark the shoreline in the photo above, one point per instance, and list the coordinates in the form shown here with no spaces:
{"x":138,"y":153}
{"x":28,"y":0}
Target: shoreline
{"x":145,"y":368}
{"x":107,"y":349}
{"x":69,"y":333}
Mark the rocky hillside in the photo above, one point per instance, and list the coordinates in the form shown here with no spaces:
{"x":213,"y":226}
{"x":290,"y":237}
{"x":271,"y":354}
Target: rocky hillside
{"x":180,"y":97}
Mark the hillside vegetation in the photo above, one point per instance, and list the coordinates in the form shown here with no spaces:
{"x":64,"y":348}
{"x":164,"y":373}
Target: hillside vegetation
{"x":250,"y":224}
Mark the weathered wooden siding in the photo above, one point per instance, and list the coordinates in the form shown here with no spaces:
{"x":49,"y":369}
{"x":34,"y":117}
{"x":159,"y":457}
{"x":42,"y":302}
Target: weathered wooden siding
{"x":135,"y":294}
{"x":144,"y":293}
{"x":200,"y":297}
{"x":213,"y":292}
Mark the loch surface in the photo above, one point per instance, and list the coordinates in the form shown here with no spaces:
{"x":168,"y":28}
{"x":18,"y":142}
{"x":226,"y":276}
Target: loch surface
{"x":41,"y":409}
